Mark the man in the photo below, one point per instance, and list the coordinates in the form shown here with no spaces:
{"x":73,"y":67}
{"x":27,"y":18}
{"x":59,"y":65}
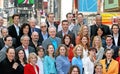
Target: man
{"x":33,"y":23}
{"x":80,"y":22}
{"x":65,"y":30}
{"x":25,"y":45}
{"x":34,"y":41}
{"x":14,"y":30}
{"x":109,"y":45}
{"x":4,"y":33}
{"x":1,"y":25}
{"x":52,"y":39}
{"x":8,"y":43}
{"x":50,"y":20}
{"x":93,"y":28}
{"x":43,"y":32}
{"x":69,"y":17}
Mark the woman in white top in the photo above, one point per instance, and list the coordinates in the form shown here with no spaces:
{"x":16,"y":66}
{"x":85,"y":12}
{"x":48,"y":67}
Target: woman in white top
{"x":40,"y":59}
{"x":89,"y":61}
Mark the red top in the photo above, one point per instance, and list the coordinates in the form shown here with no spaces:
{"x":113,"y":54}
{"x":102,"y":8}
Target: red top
{"x":29,"y":69}
{"x":70,"y":53}
{"x":118,"y":59}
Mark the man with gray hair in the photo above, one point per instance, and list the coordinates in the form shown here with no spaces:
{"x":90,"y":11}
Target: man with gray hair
{"x":55,"y":41}
{"x":1,"y":25}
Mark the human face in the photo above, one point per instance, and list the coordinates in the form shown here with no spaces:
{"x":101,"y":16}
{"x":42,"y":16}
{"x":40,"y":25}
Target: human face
{"x":43,"y":27}
{"x":9,"y":41}
{"x":79,"y":51}
{"x":25,"y":41}
{"x":84,"y":40}
{"x":50,"y":49}
{"x":51,"y":18}
{"x":1,"y":22}
{"x":67,"y":40}
{"x":16,"y":20}
{"x":99,"y":32}
{"x":80,"y":18}
{"x":62,"y":51}
{"x":70,"y":17}
{"x":25,"y":30}
{"x":97,"y":41}
{"x":52,"y":32}
{"x":108,"y":54}
{"x":11,"y":54}
{"x":41,"y":53}
{"x":98,"y":70}
{"x":85,"y":30}
{"x":115,"y":29}
{"x":98,"y":20}
{"x":75,"y":71}
{"x":32,"y":23}
{"x":33,"y":60}
{"x":65,"y":26}
{"x":109,"y":41}
{"x":4,"y":32}
{"x":21,"y":54}
{"x":35,"y":36}
{"x":92,"y":53}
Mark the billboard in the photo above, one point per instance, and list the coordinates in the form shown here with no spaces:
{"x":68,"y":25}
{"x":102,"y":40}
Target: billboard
{"x":25,"y":2}
{"x":87,"y":5}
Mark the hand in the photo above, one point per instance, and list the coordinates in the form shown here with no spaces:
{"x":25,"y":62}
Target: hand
{"x":15,"y":65}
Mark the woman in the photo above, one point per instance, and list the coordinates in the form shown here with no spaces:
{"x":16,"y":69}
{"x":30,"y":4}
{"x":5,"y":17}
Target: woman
{"x":40,"y":59}
{"x":67,"y":41}
{"x":84,"y":31}
{"x":77,"y":59}
{"x":25,"y":30}
{"x":89,"y":61}
{"x":62,"y":61}
{"x":98,"y":68}
{"x":21,"y":60}
{"x":31,"y":67}
{"x":8,"y":65}
{"x":97,"y":43}
{"x":74,"y":70}
{"x":110,"y":66}
{"x":49,"y":61}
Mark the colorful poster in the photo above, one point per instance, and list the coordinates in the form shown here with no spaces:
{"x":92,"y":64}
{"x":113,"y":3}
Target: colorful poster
{"x":87,"y":5}
{"x":25,"y":1}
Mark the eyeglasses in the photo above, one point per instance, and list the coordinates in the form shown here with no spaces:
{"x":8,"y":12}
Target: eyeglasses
{"x":43,"y":26}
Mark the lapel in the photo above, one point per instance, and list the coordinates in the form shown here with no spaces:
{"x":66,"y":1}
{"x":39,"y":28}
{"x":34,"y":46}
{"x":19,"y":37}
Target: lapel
{"x":14,"y":30}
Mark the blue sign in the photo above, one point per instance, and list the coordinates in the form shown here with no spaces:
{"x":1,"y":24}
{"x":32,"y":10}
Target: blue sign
{"x":87,"y":5}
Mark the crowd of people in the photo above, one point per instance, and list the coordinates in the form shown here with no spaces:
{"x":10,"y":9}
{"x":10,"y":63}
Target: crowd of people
{"x":65,"y":48}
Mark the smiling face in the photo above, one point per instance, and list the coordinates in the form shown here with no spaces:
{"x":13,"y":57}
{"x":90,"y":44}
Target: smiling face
{"x":11,"y":54}
{"x":62,"y":51}
{"x":84,"y":40}
{"x":21,"y":54}
{"x":75,"y":71}
{"x":79,"y":51}
{"x":50,"y":49}
{"x":26,"y":30}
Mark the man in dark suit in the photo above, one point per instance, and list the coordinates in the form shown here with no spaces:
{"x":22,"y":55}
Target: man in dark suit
{"x":109,"y":42}
{"x":4,"y":33}
{"x":43,"y":32}
{"x":25,"y":45}
{"x":14,"y":30}
{"x":93,"y":28}
{"x":65,"y":30}
{"x":50,"y":20}
{"x":8,"y":43}
{"x":34,"y":42}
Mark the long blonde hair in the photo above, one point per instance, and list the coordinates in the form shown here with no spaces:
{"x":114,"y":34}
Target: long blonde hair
{"x":75,"y":49}
{"x":94,"y":44}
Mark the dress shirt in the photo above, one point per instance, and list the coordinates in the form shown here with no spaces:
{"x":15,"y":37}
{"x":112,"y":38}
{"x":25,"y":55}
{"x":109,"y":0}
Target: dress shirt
{"x":17,"y":29}
{"x":116,"y":39}
{"x":26,"y":51}
{"x":62,"y":64}
{"x":45,"y":36}
{"x":64,"y":33}
{"x":109,"y":47}
{"x":40,"y":65}
{"x":78,"y":62}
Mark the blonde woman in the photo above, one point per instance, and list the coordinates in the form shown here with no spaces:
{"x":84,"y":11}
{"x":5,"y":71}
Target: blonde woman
{"x":97,"y":43}
{"x":31,"y":67}
{"x":77,"y":59}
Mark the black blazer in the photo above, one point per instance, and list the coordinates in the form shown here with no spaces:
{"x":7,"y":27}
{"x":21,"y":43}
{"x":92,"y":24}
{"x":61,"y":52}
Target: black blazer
{"x":1,"y":43}
{"x":118,"y":40}
{"x":59,"y":34}
{"x":12,"y":32}
{"x":56,"y":25}
{"x":93,"y":30}
{"x":41,"y":37}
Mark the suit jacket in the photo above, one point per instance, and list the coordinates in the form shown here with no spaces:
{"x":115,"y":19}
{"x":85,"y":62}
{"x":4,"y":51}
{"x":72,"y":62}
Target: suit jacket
{"x":93,"y":30}
{"x":59,"y":34}
{"x":12,"y":32}
{"x":56,"y":25}
{"x":41,"y":39}
{"x":1,"y":43}
{"x":48,"y":41}
{"x":113,"y":67}
{"x":3,"y":53}
{"x":29,"y":69}
{"x":30,"y":49}
{"x":118,"y":43}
